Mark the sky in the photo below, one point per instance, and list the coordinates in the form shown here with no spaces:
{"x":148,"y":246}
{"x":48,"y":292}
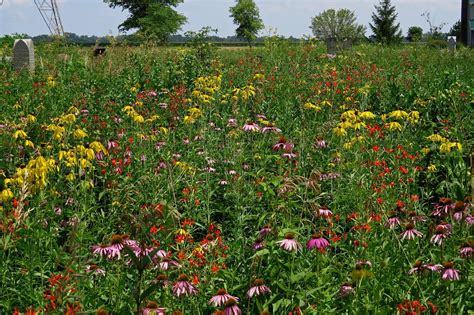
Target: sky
{"x":283,"y":17}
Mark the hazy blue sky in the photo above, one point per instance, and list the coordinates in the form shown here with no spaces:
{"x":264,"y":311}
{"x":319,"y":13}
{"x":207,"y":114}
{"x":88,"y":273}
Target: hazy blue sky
{"x":287,"y":17}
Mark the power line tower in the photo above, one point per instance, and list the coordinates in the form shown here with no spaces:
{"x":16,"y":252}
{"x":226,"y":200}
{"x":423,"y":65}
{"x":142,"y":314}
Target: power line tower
{"x":50,"y":14}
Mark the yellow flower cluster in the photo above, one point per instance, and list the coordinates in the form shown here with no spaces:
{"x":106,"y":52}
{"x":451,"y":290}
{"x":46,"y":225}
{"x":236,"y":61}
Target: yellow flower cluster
{"x":130,"y":111}
{"x":412,"y":117}
{"x":446,"y":145}
{"x":244,"y":93}
{"x":185,"y":167}
{"x":352,"y":119}
{"x":194,"y":114}
{"x":206,"y":87}
{"x":34,"y":175}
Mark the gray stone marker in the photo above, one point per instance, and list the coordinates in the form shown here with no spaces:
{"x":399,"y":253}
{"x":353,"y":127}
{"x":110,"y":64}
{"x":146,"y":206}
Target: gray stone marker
{"x":452,"y":43}
{"x":24,"y":55}
{"x":331,"y":45}
{"x":347,"y":44}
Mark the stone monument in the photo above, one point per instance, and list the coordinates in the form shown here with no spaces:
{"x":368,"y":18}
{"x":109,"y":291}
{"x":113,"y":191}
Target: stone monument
{"x":24,"y":55}
{"x":331,"y":45}
{"x":347,"y":44}
{"x":452,"y":43}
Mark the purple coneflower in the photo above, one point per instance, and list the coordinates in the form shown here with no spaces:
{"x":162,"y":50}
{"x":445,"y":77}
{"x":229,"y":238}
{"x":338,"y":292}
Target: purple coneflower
{"x":251,"y":127}
{"x":289,"y":243}
{"x":184,"y":287}
{"x":324,"y":212}
{"x":466,"y":249}
{"x":289,"y":155}
{"x":459,"y":208}
{"x":442,"y":231}
{"x":410,"y":232}
{"x":393,"y":221}
{"x":259,"y":244}
{"x":231,"y":122}
{"x":420,"y":267}
{"x":221,"y":298}
{"x":95,"y":269}
{"x":346,"y":289}
{"x":443,"y":207}
{"x":364,"y":263}
{"x":271,"y":128}
{"x":152,"y":308}
{"x":167,"y":263}
{"x":317,"y":241}
{"x":267,"y":229}
{"x":449,"y":273}
{"x":320,"y":143}
{"x":231,"y":307}
{"x":259,"y":288}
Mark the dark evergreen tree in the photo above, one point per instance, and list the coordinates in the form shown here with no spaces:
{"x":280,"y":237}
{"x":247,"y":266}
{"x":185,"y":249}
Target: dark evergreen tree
{"x":384,"y":27}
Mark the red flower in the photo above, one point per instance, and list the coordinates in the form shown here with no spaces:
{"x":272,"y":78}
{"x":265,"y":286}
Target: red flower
{"x":403,"y":169}
{"x":153,"y":230}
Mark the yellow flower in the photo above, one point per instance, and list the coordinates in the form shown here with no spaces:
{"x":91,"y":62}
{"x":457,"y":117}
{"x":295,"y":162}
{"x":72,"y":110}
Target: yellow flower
{"x":425,"y":150}
{"x":347,"y":145}
{"x":181,"y":232}
{"x":70,"y":177}
{"x":432,"y":168}
{"x":398,"y":114}
{"x":394,"y":125}
{"x":139,"y":119}
{"x":339,"y":131}
{"x":414,"y":117}
{"x":79,"y":134}
{"x":20,"y":134}
{"x":29,"y":143}
{"x":367,"y":115}
{"x":6,"y":195}
{"x":189,"y":119}
{"x":436,"y":138}
{"x":30,"y":119}
{"x":311,"y":106}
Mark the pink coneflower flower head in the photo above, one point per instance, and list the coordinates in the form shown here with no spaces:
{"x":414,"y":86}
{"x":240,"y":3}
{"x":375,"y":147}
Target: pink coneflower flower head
{"x":449,"y":273}
{"x":320,"y":143}
{"x":221,"y":298}
{"x":95,"y":269}
{"x":324,"y":212}
{"x":289,"y":243}
{"x":167,"y":263}
{"x":251,"y":127}
{"x":466,"y":249}
{"x":410,"y":232}
{"x":364,"y":263}
{"x":443,"y":207}
{"x":459,"y":208}
{"x":317,"y":241}
{"x":184,"y":287}
{"x":346,"y":289}
{"x":259,"y":288}
{"x":442,"y":231}
{"x":259,"y":244}
{"x":152,"y":308}
{"x":231,"y":307}
{"x":393,"y":221}
{"x":414,"y":217}
{"x":266,"y":229}
{"x":417,"y":267}
{"x":271,"y":128}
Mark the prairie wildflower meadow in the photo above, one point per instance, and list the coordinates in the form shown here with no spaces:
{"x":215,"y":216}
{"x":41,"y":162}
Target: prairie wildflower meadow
{"x":270,"y":180}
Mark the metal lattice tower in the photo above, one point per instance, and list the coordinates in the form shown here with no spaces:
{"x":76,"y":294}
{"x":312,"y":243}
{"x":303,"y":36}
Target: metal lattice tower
{"x":50,"y":13}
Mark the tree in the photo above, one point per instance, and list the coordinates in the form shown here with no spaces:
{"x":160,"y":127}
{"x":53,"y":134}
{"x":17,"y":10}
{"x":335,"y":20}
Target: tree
{"x":456,"y":30}
{"x":435,"y":30}
{"x":383,"y":26}
{"x":339,"y":24}
{"x":247,"y":16}
{"x":154,"y":19}
{"x":415,"y":33}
